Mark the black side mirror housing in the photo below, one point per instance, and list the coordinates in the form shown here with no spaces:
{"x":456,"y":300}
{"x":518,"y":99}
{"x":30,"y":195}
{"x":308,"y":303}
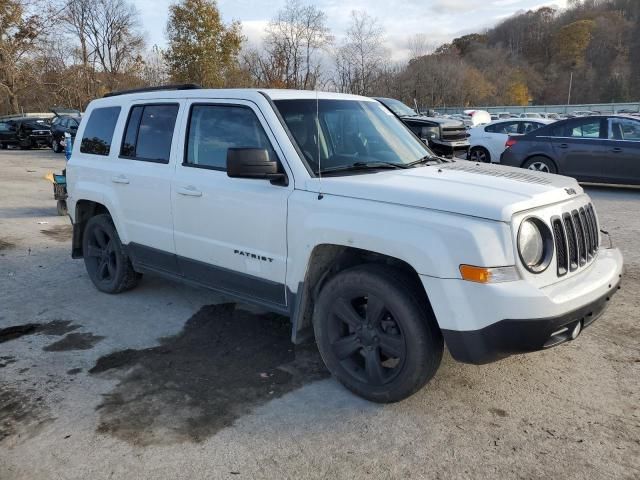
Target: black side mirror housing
{"x":254,"y":163}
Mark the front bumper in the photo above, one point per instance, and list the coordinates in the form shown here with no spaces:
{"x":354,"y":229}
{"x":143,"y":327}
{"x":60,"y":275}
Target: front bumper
{"x":450,"y":149}
{"x":508,"y":337}
{"x":484,"y":323}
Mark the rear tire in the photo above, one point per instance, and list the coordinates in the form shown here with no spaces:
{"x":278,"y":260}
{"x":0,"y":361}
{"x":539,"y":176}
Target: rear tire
{"x":541,"y":164}
{"x":376,"y":333}
{"x":480,"y":154}
{"x":108,"y":266}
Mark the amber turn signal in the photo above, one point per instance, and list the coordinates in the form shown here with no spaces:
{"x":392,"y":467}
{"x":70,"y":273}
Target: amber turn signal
{"x":489,"y":274}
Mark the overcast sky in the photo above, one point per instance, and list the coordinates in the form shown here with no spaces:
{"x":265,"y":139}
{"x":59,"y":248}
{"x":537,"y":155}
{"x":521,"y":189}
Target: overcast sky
{"x":440,"y":20}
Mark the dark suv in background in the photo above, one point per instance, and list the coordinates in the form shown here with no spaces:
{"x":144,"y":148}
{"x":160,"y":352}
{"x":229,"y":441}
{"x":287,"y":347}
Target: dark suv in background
{"x":601,"y":149}
{"x":445,"y":136}
{"x":25,"y":132}
{"x":65,"y":121}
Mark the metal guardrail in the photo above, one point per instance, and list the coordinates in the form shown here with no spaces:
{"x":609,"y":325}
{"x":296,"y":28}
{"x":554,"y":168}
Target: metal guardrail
{"x":597,"y":107}
{"x":22,"y":115}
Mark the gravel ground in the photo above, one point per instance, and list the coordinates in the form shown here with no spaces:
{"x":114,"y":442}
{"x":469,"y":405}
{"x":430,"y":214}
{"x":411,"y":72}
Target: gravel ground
{"x":169,"y":381}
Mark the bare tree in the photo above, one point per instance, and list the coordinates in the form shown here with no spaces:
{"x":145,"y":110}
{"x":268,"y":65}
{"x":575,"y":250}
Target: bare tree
{"x":360,"y":58}
{"x":290,"y":56}
{"x":419,"y":45}
{"x":112,"y":32}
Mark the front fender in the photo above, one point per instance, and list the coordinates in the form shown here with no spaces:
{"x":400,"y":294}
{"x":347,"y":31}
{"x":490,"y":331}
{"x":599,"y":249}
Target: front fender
{"x":434,"y":243}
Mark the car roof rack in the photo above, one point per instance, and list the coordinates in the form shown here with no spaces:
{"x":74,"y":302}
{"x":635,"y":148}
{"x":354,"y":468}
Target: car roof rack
{"x":180,"y":86}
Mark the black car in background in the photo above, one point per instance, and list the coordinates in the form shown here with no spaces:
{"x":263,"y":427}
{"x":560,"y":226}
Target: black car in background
{"x":445,"y":136}
{"x":64,"y":121}
{"x":25,"y":132}
{"x":601,"y":149}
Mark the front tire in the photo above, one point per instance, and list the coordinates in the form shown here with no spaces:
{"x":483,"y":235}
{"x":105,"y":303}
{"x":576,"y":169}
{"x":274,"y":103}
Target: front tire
{"x":541,"y":164}
{"x":107,"y":264}
{"x":55,"y":146}
{"x":376,"y":333}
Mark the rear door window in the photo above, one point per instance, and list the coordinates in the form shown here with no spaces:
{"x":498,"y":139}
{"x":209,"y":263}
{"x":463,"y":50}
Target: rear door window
{"x":149,"y":132}
{"x":98,"y":133}
{"x":585,"y":129}
{"x":508,"y":128}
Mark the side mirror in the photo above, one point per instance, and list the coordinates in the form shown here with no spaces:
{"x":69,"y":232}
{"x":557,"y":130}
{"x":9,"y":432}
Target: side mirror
{"x":73,"y":128}
{"x":253,"y":163}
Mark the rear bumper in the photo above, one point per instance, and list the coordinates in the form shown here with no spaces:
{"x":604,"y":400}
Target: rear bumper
{"x":508,"y":337}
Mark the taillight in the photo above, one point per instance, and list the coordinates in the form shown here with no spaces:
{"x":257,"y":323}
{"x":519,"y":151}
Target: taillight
{"x":510,"y":142}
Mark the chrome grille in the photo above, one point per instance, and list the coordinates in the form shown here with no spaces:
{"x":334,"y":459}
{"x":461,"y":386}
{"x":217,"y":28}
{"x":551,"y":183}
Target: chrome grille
{"x":453,"y":134}
{"x":576,"y":238}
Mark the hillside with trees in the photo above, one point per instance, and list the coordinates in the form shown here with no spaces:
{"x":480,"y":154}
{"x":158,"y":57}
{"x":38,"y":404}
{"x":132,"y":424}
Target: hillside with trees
{"x":67,"y":52}
{"x":532,"y":57}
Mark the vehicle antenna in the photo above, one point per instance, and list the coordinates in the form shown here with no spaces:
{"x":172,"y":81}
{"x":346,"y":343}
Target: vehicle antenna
{"x":320,"y":195}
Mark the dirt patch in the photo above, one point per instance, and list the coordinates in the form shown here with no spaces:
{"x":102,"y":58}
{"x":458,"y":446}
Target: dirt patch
{"x":54,"y":328}
{"x":6,"y":244}
{"x":74,"y":341}
{"x":59,"y":233}
{"x":224,"y":363}
{"x":20,"y":413}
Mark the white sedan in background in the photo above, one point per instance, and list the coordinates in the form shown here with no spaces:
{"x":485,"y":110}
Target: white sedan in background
{"x":487,"y":142}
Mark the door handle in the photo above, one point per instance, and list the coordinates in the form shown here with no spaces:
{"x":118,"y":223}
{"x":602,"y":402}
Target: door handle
{"x":189,"y":191}
{"x":616,"y":150}
{"x":563,"y":145}
{"x":120,"y":179}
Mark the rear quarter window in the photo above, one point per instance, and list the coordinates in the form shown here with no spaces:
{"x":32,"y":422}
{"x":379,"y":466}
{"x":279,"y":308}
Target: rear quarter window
{"x":98,"y":134}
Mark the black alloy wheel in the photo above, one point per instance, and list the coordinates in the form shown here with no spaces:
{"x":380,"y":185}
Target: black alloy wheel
{"x":376,"y":333}
{"x":366,"y":339}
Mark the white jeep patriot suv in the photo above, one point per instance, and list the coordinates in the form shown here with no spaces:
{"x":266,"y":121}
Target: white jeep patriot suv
{"x":326,"y":208}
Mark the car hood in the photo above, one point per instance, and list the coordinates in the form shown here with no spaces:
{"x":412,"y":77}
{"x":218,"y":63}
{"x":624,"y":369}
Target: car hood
{"x":488,"y":191}
{"x":444,"y":122}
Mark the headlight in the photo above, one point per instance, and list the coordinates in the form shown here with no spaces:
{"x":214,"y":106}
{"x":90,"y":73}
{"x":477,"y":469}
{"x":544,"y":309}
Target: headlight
{"x":535,"y":245}
{"x":430,"y":133}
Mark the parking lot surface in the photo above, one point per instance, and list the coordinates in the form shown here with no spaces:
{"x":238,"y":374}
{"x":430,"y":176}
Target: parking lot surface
{"x":170,"y":381}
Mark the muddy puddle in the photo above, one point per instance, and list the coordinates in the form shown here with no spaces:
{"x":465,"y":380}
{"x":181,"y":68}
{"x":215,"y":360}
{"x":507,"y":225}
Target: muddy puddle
{"x":224,"y":363}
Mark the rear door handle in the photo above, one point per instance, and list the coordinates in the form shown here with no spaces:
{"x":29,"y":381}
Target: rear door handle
{"x":563,"y":145}
{"x":120,"y":179}
{"x":189,"y":191}
{"x":616,"y":150}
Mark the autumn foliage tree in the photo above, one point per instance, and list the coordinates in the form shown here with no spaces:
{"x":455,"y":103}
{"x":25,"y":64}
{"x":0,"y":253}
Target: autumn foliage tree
{"x":201,"y":48}
{"x":19,"y":33}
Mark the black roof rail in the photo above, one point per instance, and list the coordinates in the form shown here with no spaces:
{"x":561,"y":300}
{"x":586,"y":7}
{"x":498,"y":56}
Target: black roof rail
{"x":180,"y":86}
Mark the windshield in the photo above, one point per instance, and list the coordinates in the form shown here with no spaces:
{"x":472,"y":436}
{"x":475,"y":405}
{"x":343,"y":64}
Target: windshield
{"x":398,"y":107}
{"x":348,"y":132}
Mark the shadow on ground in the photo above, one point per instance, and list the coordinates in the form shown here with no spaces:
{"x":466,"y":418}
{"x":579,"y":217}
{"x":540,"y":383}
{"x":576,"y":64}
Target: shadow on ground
{"x":225,"y":362}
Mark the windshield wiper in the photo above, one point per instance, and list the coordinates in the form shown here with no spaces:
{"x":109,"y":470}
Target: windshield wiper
{"x":364,"y":166}
{"x":427,"y":159}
